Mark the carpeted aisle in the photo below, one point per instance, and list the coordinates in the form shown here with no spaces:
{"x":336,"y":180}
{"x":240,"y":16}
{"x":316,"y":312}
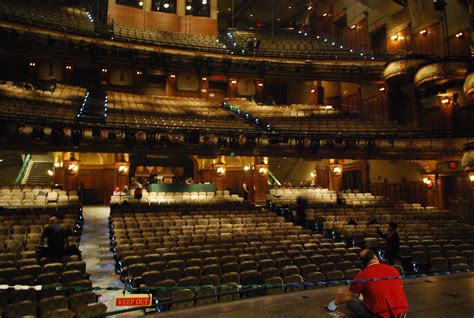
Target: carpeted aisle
{"x":95,"y":247}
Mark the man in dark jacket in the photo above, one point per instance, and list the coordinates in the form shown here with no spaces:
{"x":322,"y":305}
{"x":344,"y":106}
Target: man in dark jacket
{"x":392,"y":250}
{"x":56,"y":236}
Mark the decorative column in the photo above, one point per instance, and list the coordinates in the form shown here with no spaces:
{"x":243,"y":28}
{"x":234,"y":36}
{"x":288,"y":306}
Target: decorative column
{"x":122,"y":169}
{"x":204,"y":87}
{"x":332,"y":93}
{"x":181,"y":7}
{"x":260,"y":179}
{"x":71,"y":171}
{"x":259,"y":90}
{"x":220,"y":169}
{"x":171,"y":85}
{"x":335,"y":177}
{"x":232,"y":88}
{"x":431,"y":189}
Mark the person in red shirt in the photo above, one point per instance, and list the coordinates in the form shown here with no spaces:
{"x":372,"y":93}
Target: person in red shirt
{"x":383,"y":298}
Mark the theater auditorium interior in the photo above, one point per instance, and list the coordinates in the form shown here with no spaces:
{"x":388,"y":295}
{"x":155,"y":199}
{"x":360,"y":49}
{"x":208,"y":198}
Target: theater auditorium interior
{"x":231,"y":158}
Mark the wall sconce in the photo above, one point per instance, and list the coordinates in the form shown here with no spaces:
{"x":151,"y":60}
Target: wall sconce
{"x":445,"y":101}
{"x":353,"y":27}
{"x":459,"y":35}
{"x":428,"y":182}
{"x":140,"y":3}
{"x":382,"y":89}
{"x":72,"y":169}
{"x":471,"y":177}
{"x":233,"y":82}
{"x":325,"y":14}
{"x":68,"y":67}
{"x":204,"y":79}
{"x":313,"y":174}
{"x":122,"y":170}
{"x":203,"y":90}
{"x":50,"y":172}
{"x":260,"y":84}
{"x":32,"y":64}
{"x":246,"y":168}
{"x":394,"y":37}
{"x":220,"y":171}
{"x":262,"y":171}
{"x":104,"y":70}
{"x":139,"y":73}
{"x":58,"y":164}
{"x":423,"y":32}
{"x":172,"y":76}
{"x":336,"y":171}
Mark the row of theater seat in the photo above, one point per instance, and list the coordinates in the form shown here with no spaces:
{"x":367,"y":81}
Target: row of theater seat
{"x":314,"y":195}
{"x":290,"y":119}
{"x":20,"y":233}
{"x":72,"y":19}
{"x":29,"y":198}
{"x":172,"y":198}
{"x":214,"y":251}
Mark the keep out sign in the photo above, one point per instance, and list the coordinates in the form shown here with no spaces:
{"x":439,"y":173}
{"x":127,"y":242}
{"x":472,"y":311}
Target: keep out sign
{"x":136,"y":300}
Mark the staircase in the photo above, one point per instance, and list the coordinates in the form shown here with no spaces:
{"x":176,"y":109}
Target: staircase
{"x":37,"y":173}
{"x":94,"y":107}
{"x":281,"y":168}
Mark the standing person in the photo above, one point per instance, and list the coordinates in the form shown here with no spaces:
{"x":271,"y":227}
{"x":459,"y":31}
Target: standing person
{"x":392,"y":250}
{"x":382,"y":298}
{"x":56,"y":236}
{"x":246,"y":191}
{"x":299,"y":215}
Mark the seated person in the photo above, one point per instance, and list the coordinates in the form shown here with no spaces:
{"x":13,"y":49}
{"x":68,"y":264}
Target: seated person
{"x":56,"y":236}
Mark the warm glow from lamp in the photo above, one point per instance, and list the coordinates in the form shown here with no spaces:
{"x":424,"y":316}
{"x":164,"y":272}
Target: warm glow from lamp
{"x":262,"y":171}
{"x":424,"y":32}
{"x":382,"y":89}
{"x":122,"y":169}
{"x":325,"y":14}
{"x":337,"y":171}
{"x":73,"y":168}
{"x":313,"y":90}
{"x":172,"y":76}
{"x":313,"y":174}
{"x":220,"y":171}
{"x":459,"y":34}
{"x":428,"y":182}
{"x":233,"y":82}
{"x":246,"y":168}
{"x":353,"y":27}
{"x":394,"y":37}
{"x":58,"y":164}
{"x":260,"y":84}
{"x":50,"y":172}
{"x":471,"y":178}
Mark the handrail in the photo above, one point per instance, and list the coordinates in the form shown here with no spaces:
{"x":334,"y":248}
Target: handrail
{"x":23,"y":169}
{"x":272,"y":177}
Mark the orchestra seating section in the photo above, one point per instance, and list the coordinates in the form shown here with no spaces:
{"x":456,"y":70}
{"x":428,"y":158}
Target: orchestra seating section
{"x":67,"y":18}
{"x":426,"y":235}
{"x":20,"y":233}
{"x":356,"y":199}
{"x":213,"y":251}
{"x":199,"y":42}
{"x":36,"y":198}
{"x":315,"y":196}
{"x":178,"y":198}
{"x":292,"y":44}
{"x":23,"y":100}
{"x":170,"y":112}
{"x":310,"y":118}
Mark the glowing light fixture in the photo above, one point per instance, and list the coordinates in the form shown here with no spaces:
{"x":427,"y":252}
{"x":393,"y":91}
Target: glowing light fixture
{"x":424,"y":32}
{"x":394,"y":37}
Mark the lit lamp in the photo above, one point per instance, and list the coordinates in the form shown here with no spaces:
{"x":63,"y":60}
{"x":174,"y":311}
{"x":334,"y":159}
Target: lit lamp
{"x":72,"y":168}
{"x":428,"y":182}
{"x":313,"y":174}
{"x":445,"y":101}
{"x":122,"y":169}
{"x":471,"y":177}
{"x":262,"y":171}
{"x":220,"y":171}
{"x":337,"y":171}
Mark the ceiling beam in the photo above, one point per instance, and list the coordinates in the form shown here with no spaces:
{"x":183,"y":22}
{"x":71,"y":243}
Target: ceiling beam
{"x":244,"y":6}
